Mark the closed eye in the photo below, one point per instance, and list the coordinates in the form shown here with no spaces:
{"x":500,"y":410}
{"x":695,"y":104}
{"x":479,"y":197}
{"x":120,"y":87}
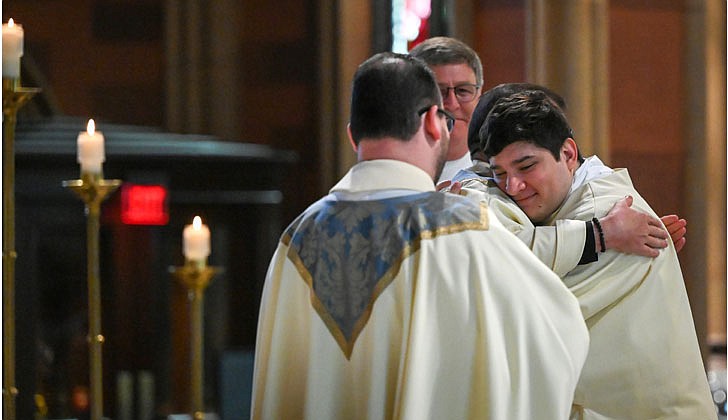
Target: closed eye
{"x":499,"y":178}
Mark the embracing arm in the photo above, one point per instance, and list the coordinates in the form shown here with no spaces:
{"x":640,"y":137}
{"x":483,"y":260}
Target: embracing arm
{"x":566,"y":244}
{"x":630,"y":231}
{"x":633,"y":232}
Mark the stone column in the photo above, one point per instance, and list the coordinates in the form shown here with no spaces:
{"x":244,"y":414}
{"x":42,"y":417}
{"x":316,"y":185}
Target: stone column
{"x":202,"y":51}
{"x":346,"y":28}
{"x":705,"y":166}
{"x":567,"y":51}
{"x":185,"y":66}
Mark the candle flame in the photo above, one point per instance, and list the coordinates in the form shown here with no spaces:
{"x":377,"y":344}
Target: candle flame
{"x":197,"y":223}
{"x":11,"y":23}
{"x":91,"y":127}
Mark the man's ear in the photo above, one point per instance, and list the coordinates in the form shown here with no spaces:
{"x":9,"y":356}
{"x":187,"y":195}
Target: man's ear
{"x":570,"y":153}
{"x":351,"y":139}
{"x":432,"y":125}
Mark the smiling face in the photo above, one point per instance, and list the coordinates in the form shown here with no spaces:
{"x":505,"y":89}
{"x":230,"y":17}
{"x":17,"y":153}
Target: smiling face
{"x":449,"y":76}
{"x":533,"y":178}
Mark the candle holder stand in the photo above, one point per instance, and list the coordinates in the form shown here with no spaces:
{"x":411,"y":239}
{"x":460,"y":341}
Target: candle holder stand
{"x":14,"y":97}
{"x":93,"y":190}
{"x":195,"y":276}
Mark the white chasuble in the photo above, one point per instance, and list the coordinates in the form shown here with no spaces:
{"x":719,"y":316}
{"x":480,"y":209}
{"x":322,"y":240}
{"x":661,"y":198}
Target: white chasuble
{"x":416,"y":307}
{"x":644,"y":361}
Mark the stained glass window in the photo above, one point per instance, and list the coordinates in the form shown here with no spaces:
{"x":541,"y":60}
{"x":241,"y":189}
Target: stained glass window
{"x":410,"y":23}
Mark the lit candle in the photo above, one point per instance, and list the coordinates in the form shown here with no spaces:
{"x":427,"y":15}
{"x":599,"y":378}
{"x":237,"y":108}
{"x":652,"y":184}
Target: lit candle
{"x":196,"y":244}
{"x":91,"y":149}
{"x":12,"y":49}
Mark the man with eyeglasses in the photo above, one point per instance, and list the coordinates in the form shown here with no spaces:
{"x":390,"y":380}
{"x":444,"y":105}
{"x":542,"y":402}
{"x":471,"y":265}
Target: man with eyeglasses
{"x":459,"y":74}
{"x":386,"y":299}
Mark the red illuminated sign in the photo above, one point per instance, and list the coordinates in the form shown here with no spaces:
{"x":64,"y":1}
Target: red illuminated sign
{"x":144,"y":204}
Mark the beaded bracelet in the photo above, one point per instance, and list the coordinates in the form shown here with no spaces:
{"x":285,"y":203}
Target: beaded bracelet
{"x":601,"y":234}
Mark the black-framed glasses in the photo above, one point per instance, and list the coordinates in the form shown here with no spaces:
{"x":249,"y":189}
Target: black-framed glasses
{"x":465,"y":92}
{"x":449,"y":119}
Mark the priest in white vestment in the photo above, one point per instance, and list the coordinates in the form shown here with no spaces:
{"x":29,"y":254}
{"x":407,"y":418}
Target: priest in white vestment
{"x":644,"y":361}
{"x":459,"y":74}
{"x":388,"y":300}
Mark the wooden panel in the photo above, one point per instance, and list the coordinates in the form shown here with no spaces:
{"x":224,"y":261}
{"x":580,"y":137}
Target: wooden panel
{"x":278,"y":62}
{"x":124,"y":21}
{"x":646,"y":79}
{"x":142,"y":103}
{"x":76,"y":57}
{"x":499,"y":39}
{"x":657,"y":177}
{"x":267,"y":21}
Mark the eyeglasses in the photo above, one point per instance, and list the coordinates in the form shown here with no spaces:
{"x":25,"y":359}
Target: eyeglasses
{"x":464,"y":92}
{"x":449,"y":119}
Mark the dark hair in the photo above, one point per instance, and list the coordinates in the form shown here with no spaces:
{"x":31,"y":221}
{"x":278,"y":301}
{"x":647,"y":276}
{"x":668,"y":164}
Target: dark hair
{"x":489,"y":99}
{"x":525,"y":116}
{"x":387,"y":92}
{"x":443,"y":50}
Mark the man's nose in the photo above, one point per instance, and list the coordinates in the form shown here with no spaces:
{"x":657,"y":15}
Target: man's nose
{"x":514,"y":185}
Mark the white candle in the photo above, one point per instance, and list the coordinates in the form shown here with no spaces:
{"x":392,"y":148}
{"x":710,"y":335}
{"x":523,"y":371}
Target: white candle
{"x":196,"y":244}
{"x":12,"y":49}
{"x":91,"y":149}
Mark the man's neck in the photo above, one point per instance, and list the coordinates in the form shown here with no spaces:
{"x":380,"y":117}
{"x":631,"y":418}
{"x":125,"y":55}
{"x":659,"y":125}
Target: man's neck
{"x":412,"y":151}
{"x":457,"y":149}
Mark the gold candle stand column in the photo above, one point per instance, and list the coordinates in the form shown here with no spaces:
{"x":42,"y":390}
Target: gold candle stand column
{"x":93,"y":189}
{"x":195,"y":275}
{"x":14,"y":97}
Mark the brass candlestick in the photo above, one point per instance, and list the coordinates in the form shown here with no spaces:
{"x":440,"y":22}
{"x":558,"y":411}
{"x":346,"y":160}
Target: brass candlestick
{"x":195,"y":275}
{"x":93,"y":189}
{"x":14,"y":97}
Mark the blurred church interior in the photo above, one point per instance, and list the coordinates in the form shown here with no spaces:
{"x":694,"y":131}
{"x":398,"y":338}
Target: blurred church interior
{"x":236,"y":111}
